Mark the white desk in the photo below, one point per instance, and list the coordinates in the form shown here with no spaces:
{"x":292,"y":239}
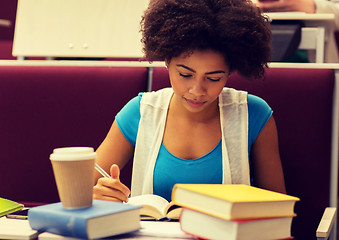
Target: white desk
{"x":111,"y":29}
{"x":150,"y":230}
{"x":317,"y":35}
{"x":20,"y":229}
{"x":72,"y":28}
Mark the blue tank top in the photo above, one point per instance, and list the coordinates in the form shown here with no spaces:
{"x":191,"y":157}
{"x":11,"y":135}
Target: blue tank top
{"x":170,"y":169}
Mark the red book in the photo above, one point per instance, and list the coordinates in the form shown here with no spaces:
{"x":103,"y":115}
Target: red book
{"x":207,"y":226}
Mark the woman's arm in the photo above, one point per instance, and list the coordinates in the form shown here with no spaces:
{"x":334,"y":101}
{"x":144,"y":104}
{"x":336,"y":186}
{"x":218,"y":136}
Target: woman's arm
{"x":267,"y":168}
{"x":307,"y":6}
{"x":115,"y":149}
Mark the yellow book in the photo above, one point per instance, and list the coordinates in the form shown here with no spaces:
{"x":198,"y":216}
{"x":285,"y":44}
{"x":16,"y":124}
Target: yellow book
{"x":9,"y":206}
{"x":233,"y":201}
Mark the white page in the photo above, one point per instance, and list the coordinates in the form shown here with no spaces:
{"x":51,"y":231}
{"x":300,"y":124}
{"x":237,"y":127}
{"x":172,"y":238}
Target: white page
{"x":162,"y":229}
{"x":16,"y":229}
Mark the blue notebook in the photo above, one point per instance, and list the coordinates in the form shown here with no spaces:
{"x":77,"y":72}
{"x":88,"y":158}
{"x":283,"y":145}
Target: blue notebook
{"x":103,"y":219}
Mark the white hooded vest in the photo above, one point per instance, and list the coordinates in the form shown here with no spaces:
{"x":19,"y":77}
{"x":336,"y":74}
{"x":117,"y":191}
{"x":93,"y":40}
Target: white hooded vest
{"x":234,"y":127}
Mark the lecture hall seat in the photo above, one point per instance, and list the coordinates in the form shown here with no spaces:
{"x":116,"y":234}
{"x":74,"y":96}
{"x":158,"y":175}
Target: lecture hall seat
{"x":43,"y":107}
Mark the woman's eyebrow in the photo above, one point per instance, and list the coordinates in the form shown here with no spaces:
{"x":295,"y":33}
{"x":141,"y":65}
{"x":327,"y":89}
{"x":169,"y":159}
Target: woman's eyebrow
{"x":192,"y":70}
{"x":188,"y":68}
{"x":214,"y":72}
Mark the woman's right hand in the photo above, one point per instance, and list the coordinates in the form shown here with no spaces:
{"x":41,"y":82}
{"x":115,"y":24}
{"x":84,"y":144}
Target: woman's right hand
{"x":111,"y":189}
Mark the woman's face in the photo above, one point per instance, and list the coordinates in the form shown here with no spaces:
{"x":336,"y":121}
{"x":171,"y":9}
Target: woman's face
{"x":197,"y":79}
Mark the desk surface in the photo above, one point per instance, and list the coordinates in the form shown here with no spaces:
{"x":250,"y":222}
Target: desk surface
{"x":150,"y":230}
{"x":300,"y":16}
{"x":20,"y":229}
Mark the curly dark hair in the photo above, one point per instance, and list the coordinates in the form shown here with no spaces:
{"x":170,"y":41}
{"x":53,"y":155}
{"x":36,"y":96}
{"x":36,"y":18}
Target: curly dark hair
{"x":235,"y":28}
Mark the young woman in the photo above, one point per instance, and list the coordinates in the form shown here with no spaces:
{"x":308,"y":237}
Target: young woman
{"x":197,"y":131}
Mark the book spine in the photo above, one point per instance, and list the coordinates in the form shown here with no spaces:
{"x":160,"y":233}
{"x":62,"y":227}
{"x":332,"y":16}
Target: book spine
{"x":65,"y":225}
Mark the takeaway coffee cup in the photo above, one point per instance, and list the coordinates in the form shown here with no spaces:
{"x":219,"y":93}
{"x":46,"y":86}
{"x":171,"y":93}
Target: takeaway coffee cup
{"x":73,"y":169}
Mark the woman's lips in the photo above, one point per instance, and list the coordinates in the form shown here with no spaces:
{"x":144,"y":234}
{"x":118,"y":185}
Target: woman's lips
{"x":194,"y":103}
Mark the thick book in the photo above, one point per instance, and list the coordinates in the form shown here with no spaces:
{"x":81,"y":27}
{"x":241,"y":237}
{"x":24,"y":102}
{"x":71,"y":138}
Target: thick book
{"x":209,"y":227}
{"x":233,"y":201}
{"x":102,"y":219}
{"x":8,"y":206}
{"x":154,"y":207}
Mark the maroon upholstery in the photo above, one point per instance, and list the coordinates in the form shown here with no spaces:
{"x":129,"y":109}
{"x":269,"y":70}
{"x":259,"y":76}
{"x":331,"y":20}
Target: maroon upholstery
{"x":160,"y":78}
{"x":8,"y":12}
{"x":43,"y":108}
{"x":6,"y":50}
{"x":302,"y":104}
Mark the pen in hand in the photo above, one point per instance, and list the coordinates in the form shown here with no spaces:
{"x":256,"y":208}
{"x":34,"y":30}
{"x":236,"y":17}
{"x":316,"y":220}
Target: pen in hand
{"x":104,"y":174}
{"x":101,"y":171}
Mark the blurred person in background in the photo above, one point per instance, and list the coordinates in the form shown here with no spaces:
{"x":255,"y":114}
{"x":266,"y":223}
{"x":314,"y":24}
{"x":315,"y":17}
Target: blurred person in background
{"x":309,"y":6}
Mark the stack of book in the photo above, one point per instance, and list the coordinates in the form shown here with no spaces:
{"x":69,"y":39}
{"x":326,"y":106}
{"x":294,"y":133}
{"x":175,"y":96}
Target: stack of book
{"x":234,"y":211}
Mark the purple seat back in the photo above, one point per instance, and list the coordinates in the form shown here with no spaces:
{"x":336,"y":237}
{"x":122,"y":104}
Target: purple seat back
{"x":302,"y":103}
{"x":7,"y":12}
{"x":6,"y":50}
{"x":43,"y":108}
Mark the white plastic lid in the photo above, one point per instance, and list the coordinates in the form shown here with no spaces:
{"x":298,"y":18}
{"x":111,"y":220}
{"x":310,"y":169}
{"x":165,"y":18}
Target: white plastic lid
{"x":73,"y":153}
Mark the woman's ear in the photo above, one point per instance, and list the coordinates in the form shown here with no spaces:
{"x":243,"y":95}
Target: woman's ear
{"x":166,"y":63}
